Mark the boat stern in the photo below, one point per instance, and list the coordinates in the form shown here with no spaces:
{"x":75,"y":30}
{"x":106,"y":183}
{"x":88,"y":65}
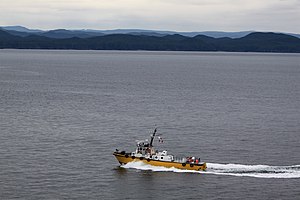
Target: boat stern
{"x":203,"y":167}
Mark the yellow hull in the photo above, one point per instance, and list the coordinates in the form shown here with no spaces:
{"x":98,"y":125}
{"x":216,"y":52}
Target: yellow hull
{"x":123,"y":159}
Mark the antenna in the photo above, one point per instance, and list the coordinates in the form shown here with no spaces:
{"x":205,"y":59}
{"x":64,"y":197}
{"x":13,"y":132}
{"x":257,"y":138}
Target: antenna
{"x":152,"y":137}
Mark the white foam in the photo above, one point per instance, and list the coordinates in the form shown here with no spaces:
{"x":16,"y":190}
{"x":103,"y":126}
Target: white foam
{"x":258,"y":171}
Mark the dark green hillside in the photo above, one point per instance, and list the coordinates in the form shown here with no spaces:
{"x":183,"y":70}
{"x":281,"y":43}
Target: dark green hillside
{"x":254,"y":42}
{"x":268,"y":42}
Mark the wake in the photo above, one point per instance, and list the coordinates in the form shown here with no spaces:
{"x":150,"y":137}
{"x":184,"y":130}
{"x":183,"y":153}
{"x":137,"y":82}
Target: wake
{"x":258,"y":171}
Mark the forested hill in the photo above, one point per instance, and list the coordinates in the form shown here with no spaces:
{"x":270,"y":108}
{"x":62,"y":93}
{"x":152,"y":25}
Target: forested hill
{"x":253,"y":42}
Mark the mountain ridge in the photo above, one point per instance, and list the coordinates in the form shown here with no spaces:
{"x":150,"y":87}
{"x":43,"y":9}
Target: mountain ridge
{"x":85,"y":33}
{"x":253,"y":42}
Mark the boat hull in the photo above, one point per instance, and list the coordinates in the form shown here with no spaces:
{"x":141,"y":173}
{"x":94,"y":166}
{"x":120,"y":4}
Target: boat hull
{"x":124,"y":159}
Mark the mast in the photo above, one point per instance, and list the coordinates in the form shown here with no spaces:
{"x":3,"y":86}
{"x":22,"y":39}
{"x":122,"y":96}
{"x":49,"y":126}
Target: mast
{"x":152,"y":137}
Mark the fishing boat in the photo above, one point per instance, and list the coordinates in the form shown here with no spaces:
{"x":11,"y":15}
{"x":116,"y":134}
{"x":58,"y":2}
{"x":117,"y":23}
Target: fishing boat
{"x":146,"y":153}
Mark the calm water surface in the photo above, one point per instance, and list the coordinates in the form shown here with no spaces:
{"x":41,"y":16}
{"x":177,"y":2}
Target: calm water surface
{"x":63,"y":113}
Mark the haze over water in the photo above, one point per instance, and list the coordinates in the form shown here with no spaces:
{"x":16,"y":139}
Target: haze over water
{"x":63,"y":113}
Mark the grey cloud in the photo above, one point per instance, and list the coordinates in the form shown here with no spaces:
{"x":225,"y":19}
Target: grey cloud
{"x":187,"y":15}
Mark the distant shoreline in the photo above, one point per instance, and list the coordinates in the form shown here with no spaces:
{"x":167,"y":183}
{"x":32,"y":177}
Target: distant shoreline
{"x":154,"y":52}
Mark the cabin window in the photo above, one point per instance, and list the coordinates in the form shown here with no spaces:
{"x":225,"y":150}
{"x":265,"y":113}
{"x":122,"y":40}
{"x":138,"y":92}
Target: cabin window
{"x":161,"y":157}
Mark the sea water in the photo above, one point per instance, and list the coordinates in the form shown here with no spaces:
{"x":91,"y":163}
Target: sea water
{"x":63,"y":113}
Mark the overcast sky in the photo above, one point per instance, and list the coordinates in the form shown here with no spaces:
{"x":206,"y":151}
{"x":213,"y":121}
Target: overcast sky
{"x":177,"y":15}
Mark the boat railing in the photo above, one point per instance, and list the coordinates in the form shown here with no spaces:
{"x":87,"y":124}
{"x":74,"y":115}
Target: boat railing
{"x":180,"y":159}
{"x":186,"y":160}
